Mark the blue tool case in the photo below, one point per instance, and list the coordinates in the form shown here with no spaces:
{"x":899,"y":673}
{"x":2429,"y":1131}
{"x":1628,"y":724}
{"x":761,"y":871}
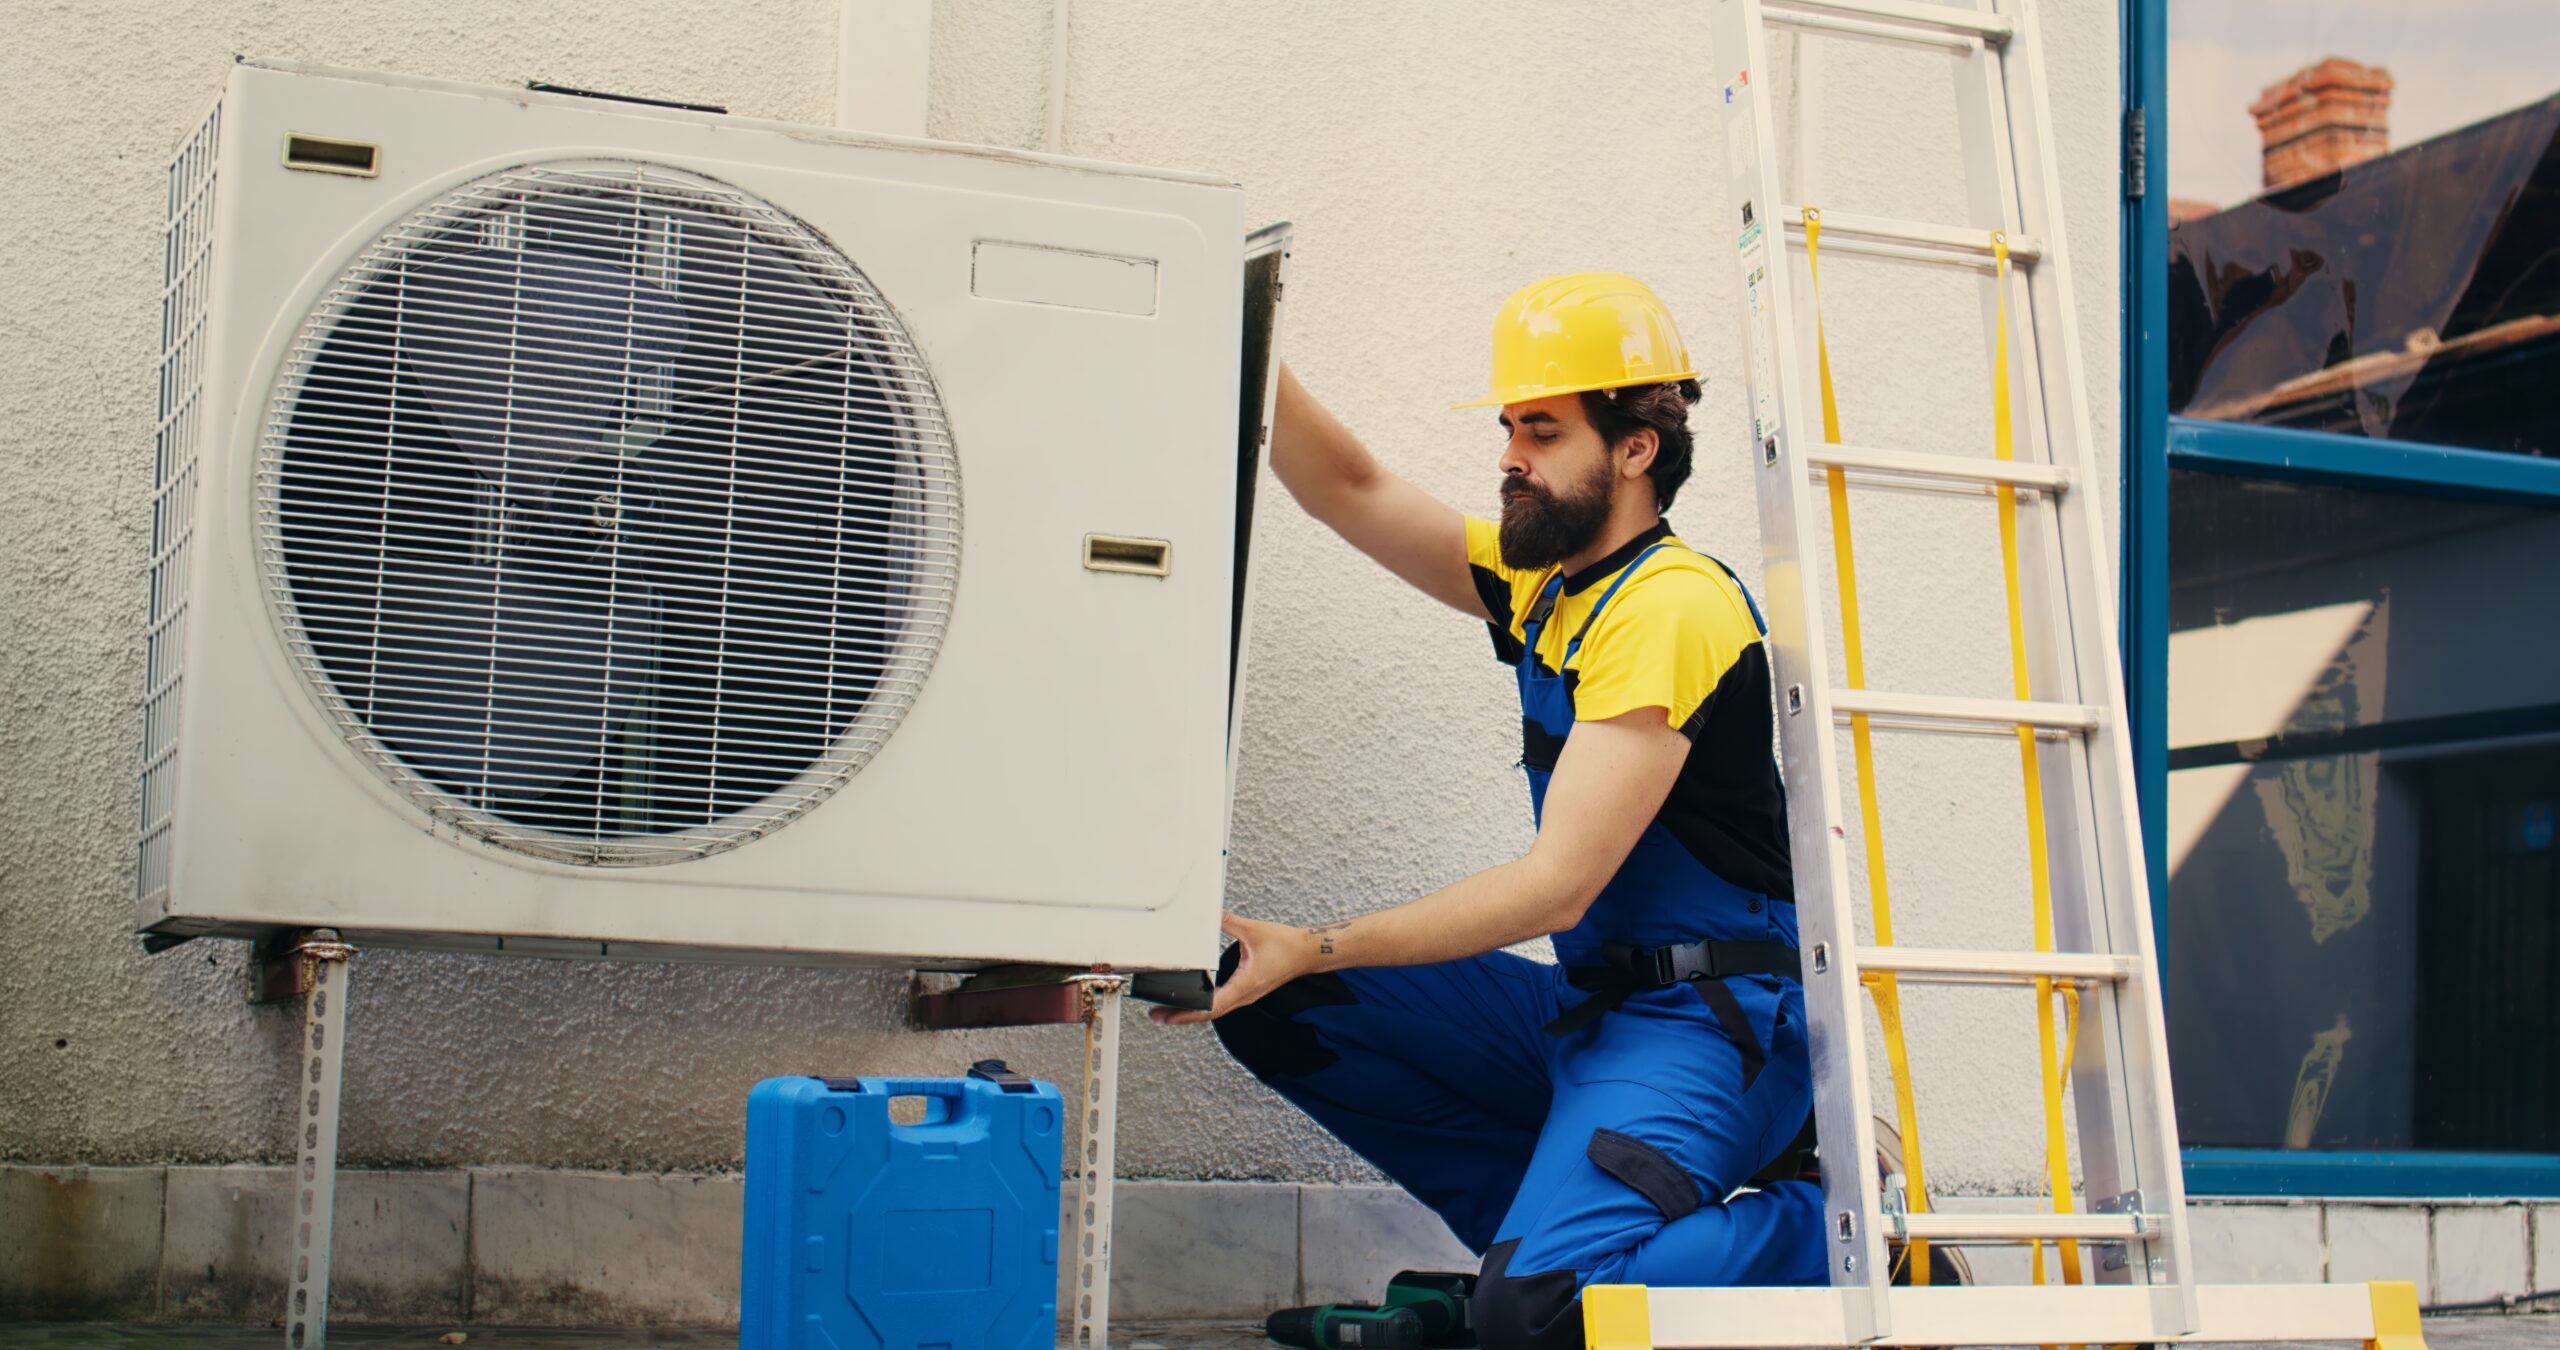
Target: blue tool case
{"x":865,"y":1233}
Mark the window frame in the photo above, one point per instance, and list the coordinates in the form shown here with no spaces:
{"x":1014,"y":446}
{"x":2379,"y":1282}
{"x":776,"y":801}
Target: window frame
{"x":2156,"y":443}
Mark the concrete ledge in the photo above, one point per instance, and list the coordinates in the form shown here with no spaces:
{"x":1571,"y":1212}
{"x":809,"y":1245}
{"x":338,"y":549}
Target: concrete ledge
{"x":2379,"y":1242}
{"x":80,"y":1244}
{"x":1194,"y":1249}
{"x":398,"y":1252}
{"x":1351,"y":1238}
{"x":2481,"y":1254}
{"x":2546,"y":1247}
{"x":511,"y":1246}
{"x":595,"y":1249}
{"x":2256,"y":1244}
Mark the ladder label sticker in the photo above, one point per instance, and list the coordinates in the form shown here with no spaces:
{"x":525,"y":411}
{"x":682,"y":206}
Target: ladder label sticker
{"x":1761,"y":313}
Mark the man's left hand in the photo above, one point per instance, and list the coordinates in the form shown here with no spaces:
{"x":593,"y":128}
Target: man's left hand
{"x":1273,"y":955}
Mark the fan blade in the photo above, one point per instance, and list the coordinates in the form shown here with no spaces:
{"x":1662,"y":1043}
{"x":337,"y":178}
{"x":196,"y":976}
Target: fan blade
{"x":566,"y":338}
{"x":508,"y":681}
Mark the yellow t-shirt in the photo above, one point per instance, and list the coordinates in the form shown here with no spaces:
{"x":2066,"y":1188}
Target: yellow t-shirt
{"x":1678,"y":635}
{"x":1676,"y":625}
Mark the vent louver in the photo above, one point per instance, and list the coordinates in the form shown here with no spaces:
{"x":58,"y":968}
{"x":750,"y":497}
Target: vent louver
{"x":609,"y":512}
{"x":187,"y":248}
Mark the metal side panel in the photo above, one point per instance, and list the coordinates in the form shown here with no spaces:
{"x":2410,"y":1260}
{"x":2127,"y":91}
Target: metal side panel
{"x":1266,"y":267}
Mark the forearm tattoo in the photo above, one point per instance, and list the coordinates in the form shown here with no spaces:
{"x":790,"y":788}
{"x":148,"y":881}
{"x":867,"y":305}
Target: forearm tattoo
{"x":1324,"y":934}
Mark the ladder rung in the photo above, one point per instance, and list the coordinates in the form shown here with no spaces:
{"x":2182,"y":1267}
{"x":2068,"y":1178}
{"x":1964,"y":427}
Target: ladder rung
{"x":1973,"y":244}
{"x":2023,"y":1227}
{"x":1981,"y":712}
{"x":1928,"y":965}
{"x":1970,"y":469}
{"x":1991,"y":28}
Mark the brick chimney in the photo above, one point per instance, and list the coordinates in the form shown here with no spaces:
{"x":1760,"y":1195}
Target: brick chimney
{"x":2323,"y":118}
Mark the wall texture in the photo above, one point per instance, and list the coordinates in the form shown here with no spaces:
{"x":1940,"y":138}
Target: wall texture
{"x":1433,"y":156}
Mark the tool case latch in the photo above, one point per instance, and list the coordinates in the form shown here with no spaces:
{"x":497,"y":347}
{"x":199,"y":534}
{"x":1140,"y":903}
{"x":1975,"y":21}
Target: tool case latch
{"x":994,"y":1071}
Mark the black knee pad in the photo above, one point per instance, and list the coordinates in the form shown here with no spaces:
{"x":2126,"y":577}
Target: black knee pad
{"x":1269,"y":1037}
{"x":1540,"y":1311}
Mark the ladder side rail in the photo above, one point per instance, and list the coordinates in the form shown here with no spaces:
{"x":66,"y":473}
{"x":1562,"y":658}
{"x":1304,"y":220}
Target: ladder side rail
{"x":2085,"y":572}
{"x":2110,"y":1069}
{"x":1800,"y":659}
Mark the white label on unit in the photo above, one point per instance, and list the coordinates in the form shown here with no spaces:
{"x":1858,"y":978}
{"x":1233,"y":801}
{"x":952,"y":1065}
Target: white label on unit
{"x":1035,"y":274}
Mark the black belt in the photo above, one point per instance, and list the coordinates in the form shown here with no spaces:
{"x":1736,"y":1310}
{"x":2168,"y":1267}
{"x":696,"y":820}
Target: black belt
{"x":1635,"y":970}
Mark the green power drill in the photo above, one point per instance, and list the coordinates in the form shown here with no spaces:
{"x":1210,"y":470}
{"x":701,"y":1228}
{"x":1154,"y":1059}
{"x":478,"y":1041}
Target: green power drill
{"x":1424,"y":1310}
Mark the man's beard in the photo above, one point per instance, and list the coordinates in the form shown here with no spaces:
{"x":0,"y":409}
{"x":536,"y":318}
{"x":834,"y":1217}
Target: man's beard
{"x":1540,"y":528}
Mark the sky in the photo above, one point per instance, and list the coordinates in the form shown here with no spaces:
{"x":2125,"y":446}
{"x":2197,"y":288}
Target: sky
{"x":2453,"y":62}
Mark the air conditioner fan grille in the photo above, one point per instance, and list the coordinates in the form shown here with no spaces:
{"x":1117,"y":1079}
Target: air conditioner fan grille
{"x":609,"y":511}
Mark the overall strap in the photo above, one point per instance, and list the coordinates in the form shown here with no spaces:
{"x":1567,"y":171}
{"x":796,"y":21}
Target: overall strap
{"x":1534,"y":621}
{"x":1747,"y":601}
{"x":1533,"y":624}
{"x":1544,"y":607}
{"x":1603,"y":602}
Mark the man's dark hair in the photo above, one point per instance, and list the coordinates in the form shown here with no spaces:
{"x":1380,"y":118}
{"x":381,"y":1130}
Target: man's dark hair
{"x":1617,"y":413}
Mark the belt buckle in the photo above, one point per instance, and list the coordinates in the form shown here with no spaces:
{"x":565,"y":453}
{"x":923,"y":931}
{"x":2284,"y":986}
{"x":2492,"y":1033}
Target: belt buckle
{"x":1665,"y":967}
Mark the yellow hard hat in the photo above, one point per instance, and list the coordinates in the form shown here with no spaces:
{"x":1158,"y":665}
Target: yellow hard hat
{"x":1582,"y":330}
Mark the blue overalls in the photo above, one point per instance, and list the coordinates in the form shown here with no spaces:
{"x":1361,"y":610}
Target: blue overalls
{"x":1603,"y":1154}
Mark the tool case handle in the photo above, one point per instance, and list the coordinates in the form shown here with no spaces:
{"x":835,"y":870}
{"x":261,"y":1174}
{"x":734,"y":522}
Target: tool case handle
{"x":958,"y":1103}
{"x":949,"y":1089}
{"x":953,"y":1094}
{"x":986,"y":1070}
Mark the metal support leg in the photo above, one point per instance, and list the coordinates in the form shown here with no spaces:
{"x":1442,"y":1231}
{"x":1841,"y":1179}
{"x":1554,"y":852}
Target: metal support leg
{"x":1093,"y":1177}
{"x":323,"y":1060}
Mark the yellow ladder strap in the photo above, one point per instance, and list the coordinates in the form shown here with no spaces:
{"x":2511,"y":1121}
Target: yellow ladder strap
{"x":2053,"y":1084}
{"x":1882,"y":985}
{"x":2056,"y":1069}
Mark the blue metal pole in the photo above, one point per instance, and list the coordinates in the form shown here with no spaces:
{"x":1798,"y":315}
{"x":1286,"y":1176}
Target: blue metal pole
{"x":2144,"y":505}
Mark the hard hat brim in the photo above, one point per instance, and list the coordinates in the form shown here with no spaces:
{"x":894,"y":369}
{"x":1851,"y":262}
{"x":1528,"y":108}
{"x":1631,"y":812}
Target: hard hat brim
{"x":1551,"y":391}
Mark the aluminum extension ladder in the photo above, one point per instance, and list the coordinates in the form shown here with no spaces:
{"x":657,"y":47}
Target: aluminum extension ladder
{"x":2125,"y":1251}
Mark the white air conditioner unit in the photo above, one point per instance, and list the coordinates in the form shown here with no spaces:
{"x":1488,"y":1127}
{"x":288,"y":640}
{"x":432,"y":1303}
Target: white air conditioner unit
{"x":585,"y":528}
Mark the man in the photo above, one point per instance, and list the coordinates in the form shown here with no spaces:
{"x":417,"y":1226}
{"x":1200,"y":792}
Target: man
{"x":1583,"y":1122}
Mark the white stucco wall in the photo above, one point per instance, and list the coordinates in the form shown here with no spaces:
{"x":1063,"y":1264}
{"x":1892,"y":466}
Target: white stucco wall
{"x":1433,"y":156}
